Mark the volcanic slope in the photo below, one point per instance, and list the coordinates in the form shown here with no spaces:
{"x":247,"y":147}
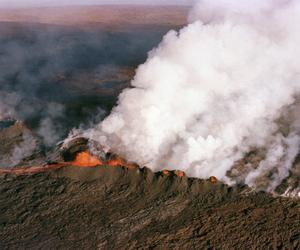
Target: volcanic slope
{"x":118,"y":208}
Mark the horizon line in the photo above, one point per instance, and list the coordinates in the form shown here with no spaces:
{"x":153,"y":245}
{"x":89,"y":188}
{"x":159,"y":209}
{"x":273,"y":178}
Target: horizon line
{"x":91,"y":5}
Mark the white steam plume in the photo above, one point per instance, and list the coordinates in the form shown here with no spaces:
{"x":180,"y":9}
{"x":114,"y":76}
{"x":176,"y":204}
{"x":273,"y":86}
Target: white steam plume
{"x":213,"y":92}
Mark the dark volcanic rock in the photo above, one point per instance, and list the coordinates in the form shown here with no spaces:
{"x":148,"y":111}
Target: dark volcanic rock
{"x":117,"y":208}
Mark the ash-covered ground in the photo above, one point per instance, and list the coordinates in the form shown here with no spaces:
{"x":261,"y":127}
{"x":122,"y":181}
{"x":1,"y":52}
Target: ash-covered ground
{"x":56,"y":75}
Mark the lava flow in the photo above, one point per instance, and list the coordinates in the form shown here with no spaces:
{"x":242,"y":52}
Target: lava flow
{"x":82,"y":159}
{"x":85,"y":159}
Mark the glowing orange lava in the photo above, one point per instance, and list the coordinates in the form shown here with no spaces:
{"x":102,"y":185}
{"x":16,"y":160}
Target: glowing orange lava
{"x":118,"y":161}
{"x":179,"y":173}
{"x":166,"y":172}
{"x":85,"y":159}
{"x":176,"y":172}
{"x":213,"y":179}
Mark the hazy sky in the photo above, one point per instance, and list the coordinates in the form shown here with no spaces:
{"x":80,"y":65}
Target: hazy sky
{"x":16,"y":3}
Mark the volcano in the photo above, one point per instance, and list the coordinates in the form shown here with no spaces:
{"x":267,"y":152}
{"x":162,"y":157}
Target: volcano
{"x":64,"y":75}
{"x":94,"y":203}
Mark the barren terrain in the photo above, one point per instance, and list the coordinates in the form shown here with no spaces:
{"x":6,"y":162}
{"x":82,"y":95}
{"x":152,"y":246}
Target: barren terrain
{"x":117,"y":208}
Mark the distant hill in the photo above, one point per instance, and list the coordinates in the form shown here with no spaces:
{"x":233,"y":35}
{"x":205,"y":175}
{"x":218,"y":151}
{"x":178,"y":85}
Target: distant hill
{"x":107,"y":16}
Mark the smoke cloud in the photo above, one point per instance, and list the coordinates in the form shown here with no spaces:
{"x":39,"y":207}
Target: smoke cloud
{"x":216,"y":90}
{"x":51,"y":76}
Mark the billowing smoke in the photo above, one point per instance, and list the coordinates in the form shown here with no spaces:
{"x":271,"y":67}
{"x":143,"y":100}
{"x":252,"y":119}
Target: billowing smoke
{"x":43,"y":68}
{"x":55,"y":77}
{"x":213,"y":92}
